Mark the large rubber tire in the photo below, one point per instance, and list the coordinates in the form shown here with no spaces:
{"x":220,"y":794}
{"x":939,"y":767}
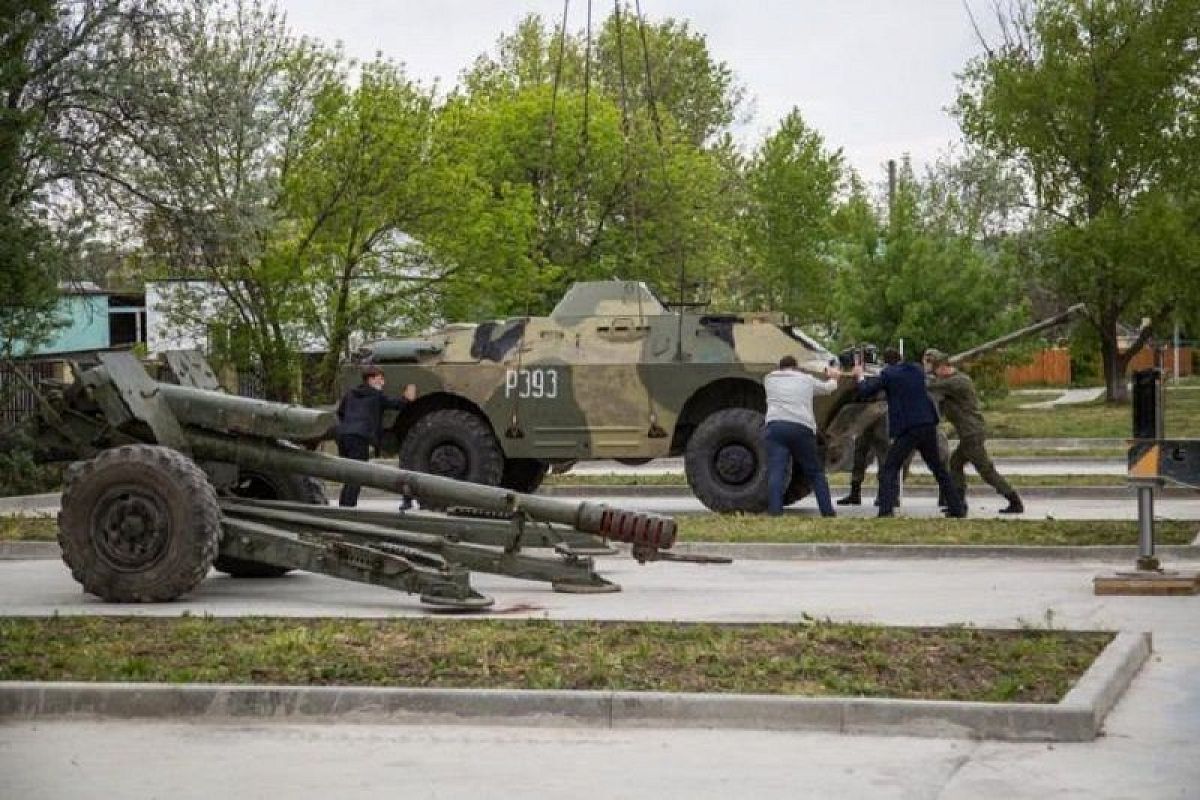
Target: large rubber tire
{"x":726,"y":461}
{"x":524,"y":475}
{"x":269,"y":486}
{"x":454,"y":444}
{"x":139,"y":524}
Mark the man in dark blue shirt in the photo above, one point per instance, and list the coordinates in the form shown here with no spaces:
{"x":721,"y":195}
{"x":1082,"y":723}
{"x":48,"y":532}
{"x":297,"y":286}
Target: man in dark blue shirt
{"x":360,"y":422}
{"x":912,"y":423}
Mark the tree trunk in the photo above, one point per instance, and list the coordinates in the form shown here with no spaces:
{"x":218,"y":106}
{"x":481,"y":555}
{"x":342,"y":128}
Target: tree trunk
{"x":327,"y":372}
{"x":1115,"y":389}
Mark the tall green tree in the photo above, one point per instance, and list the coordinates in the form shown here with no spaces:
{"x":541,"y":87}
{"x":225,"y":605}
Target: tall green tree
{"x":621,"y":187}
{"x":216,"y":108}
{"x":387,"y":221}
{"x":795,"y":183}
{"x":53,"y":117}
{"x":686,"y":82}
{"x":913,"y":272}
{"x":1096,"y":103}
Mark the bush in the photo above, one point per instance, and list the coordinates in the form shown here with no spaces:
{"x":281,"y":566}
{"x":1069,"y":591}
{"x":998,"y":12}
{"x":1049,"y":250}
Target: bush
{"x":1086,"y":367}
{"x":20,"y":474}
{"x":988,"y":373}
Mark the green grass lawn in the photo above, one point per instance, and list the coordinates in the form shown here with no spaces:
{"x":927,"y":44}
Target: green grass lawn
{"x":1086,"y":420}
{"x":28,"y":529}
{"x":867,"y":530}
{"x":808,"y":659}
{"x":908,"y":530}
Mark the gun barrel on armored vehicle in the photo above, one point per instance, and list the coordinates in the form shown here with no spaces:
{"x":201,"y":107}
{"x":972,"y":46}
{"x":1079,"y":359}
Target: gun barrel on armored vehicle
{"x":171,"y":479}
{"x":1009,"y":338}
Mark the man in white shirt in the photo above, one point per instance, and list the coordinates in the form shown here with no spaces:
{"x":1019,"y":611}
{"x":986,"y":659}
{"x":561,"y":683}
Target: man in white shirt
{"x":790,"y":432}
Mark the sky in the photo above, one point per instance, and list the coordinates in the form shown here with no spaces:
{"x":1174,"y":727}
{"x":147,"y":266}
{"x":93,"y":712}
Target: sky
{"x":875,"y":77}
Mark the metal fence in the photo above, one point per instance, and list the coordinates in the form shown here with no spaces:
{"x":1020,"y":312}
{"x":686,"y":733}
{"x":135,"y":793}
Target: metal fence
{"x":17,"y":401}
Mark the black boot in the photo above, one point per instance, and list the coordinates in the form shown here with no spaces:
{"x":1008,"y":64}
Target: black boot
{"x":1015,"y":506}
{"x":854,"y":498}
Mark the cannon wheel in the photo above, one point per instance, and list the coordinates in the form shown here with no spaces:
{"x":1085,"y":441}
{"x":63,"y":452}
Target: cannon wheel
{"x":454,"y":444}
{"x":139,"y":523}
{"x":269,"y":486}
{"x":524,"y":474}
{"x":726,"y":461}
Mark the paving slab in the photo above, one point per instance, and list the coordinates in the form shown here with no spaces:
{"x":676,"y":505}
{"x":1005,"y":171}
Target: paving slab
{"x":1015,"y":465}
{"x":1069,"y":397}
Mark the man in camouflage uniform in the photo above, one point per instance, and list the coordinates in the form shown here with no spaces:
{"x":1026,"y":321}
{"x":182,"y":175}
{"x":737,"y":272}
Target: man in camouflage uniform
{"x":955,"y":392}
{"x":871,"y":443}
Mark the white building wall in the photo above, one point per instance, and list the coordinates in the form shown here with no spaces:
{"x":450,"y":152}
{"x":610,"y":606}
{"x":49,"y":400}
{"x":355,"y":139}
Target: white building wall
{"x":165,"y":331}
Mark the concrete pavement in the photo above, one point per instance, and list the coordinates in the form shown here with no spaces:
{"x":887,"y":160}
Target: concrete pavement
{"x":1007,"y":466}
{"x":1116,"y":503}
{"x":1148,"y":752}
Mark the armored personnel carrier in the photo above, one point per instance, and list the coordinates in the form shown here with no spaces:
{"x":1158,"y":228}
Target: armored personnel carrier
{"x":612,"y":373}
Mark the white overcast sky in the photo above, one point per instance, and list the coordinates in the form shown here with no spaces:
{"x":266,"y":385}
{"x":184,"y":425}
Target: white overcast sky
{"x":873,"y":76}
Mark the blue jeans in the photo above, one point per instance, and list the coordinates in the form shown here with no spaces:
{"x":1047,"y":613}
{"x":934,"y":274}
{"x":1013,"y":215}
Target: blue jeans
{"x":793,"y":443}
{"x":923,"y":439}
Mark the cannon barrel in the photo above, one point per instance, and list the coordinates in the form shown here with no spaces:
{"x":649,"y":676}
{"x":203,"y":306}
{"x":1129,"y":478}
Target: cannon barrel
{"x":1008,"y":338}
{"x":633,"y":527}
{"x":217,"y":411}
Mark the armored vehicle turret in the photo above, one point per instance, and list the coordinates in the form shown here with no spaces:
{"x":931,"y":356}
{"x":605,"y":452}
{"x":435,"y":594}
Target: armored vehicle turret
{"x":611,"y":373}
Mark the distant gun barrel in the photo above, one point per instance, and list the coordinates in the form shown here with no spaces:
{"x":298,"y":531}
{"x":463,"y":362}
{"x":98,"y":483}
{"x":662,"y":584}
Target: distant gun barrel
{"x":633,"y":527}
{"x":1009,"y":338}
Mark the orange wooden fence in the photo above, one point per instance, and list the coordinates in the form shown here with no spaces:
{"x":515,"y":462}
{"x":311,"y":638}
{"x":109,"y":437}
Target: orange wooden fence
{"x":1145,"y":358}
{"x":1050,"y":367}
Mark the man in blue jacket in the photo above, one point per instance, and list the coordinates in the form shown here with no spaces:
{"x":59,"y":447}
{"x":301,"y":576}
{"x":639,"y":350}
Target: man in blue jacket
{"x":912,"y":423}
{"x":360,"y":422}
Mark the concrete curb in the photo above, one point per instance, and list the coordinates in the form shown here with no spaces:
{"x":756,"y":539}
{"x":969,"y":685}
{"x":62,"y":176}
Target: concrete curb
{"x":817,"y":551}
{"x":828,"y":551}
{"x":24,"y":504}
{"x":29,"y":551}
{"x":1076,"y":718}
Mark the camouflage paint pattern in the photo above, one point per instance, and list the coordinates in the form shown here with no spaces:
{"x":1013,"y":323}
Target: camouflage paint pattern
{"x":611,"y":373}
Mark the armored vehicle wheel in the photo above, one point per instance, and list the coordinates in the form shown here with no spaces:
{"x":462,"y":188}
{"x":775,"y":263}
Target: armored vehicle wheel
{"x":139,"y":524}
{"x":726,"y":461}
{"x":454,"y":444}
{"x":269,"y":486}
{"x":524,"y":475}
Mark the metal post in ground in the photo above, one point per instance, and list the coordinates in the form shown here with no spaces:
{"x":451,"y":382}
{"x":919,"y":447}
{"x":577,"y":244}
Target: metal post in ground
{"x":1146,"y":559}
{"x":1152,"y":458}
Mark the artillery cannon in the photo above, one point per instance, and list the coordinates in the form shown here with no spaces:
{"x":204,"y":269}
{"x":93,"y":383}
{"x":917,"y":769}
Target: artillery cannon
{"x":173,"y":477}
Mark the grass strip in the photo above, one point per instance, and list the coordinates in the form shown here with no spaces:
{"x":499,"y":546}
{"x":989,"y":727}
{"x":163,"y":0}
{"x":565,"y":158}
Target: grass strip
{"x":840,"y":480}
{"x":1098,"y":419}
{"x":808,"y":659}
{"x":28,"y":529}
{"x":704,"y":527}
{"x":912,"y":530}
